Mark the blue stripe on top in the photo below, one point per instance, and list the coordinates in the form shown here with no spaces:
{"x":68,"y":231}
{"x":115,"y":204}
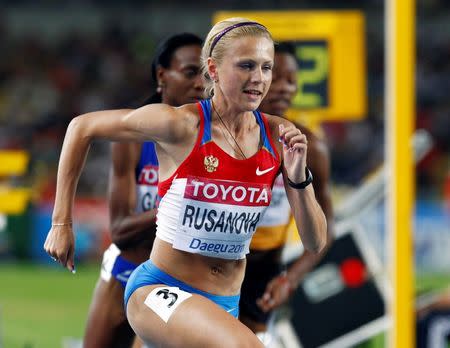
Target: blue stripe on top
{"x":264,"y":132}
{"x":206,"y":107}
{"x":148,"y":156}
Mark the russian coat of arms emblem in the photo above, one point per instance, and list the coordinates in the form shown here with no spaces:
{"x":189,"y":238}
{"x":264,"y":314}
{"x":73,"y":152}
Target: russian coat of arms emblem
{"x":211,"y":163}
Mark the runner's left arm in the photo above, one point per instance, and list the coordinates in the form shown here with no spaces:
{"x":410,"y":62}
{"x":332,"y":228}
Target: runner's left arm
{"x":308,"y":215}
{"x":319,"y":164}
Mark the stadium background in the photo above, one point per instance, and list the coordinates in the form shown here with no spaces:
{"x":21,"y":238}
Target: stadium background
{"x":62,"y":59}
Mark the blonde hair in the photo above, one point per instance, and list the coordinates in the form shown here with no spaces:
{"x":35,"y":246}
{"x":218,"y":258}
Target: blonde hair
{"x":219,"y":38}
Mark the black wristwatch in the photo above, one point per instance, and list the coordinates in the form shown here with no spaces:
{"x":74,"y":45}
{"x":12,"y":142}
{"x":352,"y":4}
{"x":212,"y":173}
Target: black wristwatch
{"x":302,"y":185}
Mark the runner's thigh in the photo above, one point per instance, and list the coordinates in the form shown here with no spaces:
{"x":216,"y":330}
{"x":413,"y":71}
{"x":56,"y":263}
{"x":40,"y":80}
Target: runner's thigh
{"x":194,"y":321}
{"x":107,"y":325}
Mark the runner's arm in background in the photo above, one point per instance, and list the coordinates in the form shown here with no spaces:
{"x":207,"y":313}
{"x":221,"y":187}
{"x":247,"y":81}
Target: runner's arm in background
{"x":280,"y":288}
{"x":128,"y":228}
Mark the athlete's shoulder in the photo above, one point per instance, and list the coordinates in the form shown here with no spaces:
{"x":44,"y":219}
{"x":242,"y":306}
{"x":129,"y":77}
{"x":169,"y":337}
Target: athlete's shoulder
{"x":307,"y":131}
{"x":314,"y":141}
{"x":177,"y":122}
{"x":189,"y":113}
{"x":317,"y":147}
{"x":274,"y":123}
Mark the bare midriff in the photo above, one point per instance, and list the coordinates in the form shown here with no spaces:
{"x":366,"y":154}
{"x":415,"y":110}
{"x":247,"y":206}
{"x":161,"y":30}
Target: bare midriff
{"x":213,"y":275}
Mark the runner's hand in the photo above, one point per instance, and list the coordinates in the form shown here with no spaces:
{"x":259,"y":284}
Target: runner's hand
{"x":60,"y":245}
{"x":295,"y":146}
{"x":277,"y":292}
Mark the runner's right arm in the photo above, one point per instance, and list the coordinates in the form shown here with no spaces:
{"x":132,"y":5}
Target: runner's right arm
{"x":139,"y":125}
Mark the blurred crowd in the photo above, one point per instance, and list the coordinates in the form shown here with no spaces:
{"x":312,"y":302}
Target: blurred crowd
{"x":45,"y":83}
{"x":43,"y":86}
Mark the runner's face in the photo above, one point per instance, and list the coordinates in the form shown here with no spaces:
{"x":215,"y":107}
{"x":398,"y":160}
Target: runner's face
{"x":245,"y":73}
{"x":284,"y":85}
{"x":182,"y":82}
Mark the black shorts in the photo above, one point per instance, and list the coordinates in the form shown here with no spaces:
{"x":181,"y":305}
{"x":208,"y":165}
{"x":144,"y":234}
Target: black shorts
{"x":262,"y":267}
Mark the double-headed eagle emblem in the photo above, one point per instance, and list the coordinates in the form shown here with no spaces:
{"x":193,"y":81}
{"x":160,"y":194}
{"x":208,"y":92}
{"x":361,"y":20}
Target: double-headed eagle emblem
{"x":211,"y":163}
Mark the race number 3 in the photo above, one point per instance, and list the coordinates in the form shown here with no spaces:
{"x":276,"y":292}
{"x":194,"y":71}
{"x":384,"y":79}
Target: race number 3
{"x":164,"y":300}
